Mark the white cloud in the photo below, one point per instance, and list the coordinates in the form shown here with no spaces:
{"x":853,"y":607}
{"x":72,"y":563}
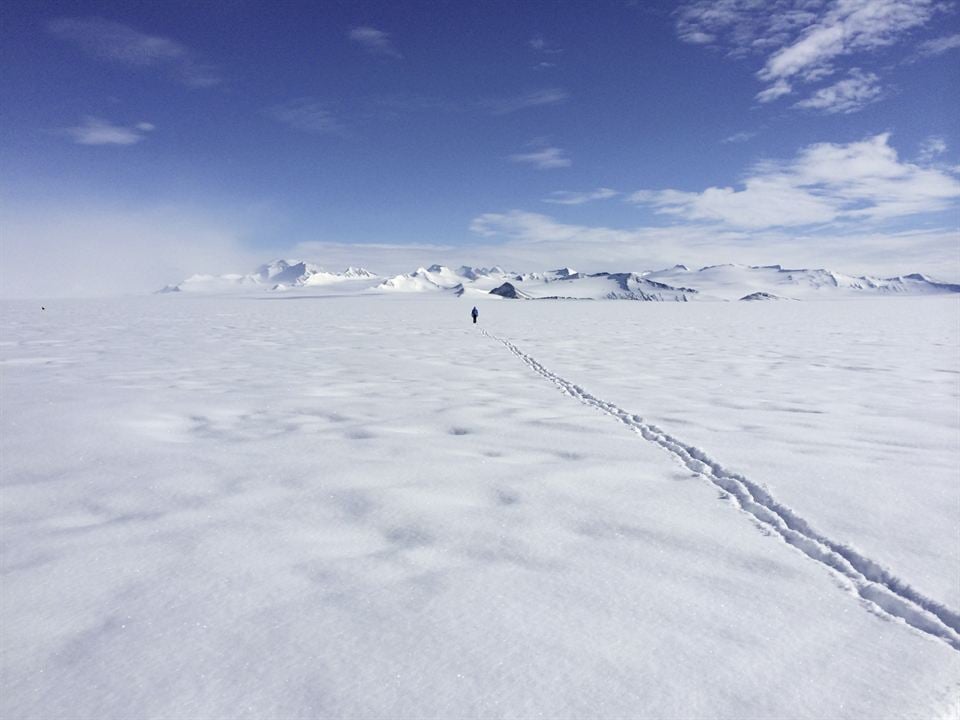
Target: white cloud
{"x":309,"y":115}
{"x":940,"y":45}
{"x":802,"y":40}
{"x":846,"y":96}
{"x":566,"y":197}
{"x":763,"y":203}
{"x":94,"y":131}
{"x":536,"y":98}
{"x":824,"y":183}
{"x":932,"y":147}
{"x":848,"y":26}
{"x":546,"y":158}
{"x":375,"y":42}
{"x":116,"y":42}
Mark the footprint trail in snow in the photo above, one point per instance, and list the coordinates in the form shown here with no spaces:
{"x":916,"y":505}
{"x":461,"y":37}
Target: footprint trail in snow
{"x":877,"y":586}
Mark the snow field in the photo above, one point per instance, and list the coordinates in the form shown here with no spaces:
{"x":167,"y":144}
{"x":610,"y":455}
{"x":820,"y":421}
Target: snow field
{"x":849,"y":411}
{"x":365,"y":507}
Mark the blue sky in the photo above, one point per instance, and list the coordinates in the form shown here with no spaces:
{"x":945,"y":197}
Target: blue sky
{"x":156,"y":139}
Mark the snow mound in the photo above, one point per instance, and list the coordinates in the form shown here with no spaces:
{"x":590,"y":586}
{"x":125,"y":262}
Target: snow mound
{"x":508,"y":290}
{"x":761,"y":296}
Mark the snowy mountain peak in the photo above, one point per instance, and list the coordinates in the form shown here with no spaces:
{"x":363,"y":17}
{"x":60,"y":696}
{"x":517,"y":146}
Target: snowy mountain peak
{"x":473,"y":273}
{"x":357,"y":272}
{"x":283,"y":271}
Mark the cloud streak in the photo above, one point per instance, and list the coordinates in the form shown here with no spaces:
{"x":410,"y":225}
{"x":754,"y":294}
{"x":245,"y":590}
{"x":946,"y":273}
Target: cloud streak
{"x":94,"y":131}
{"x":546,"y":158}
{"x":740,"y":137}
{"x":374,"y":41}
{"x":846,"y":96}
{"x":308,"y":115}
{"x":932,"y":147}
{"x":115,"y":42}
{"x":940,"y":45}
{"x":535,"y":98}
{"x":566,"y":197}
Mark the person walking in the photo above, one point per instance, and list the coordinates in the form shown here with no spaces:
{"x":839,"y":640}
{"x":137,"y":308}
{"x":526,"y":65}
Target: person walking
{"x":474,"y":314}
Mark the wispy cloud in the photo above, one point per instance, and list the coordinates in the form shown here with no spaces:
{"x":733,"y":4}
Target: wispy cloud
{"x":309,"y":115}
{"x":410,"y":103}
{"x":566,"y":197}
{"x":777,"y":90}
{"x":373,"y":41}
{"x":846,"y":96}
{"x":546,"y":158}
{"x":740,"y":137}
{"x":403,"y":103}
{"x":115,"y":42}
{"x":538,"y":228}
{"x":94,"y":131}
{"x":743,"y":27}
{"x":940,"y":45}
{"x":535,"y":98}
{"x":538,"y":43}
{"x":321,"y":116}
{"x":824,"y":183}
{"x":932,"y":147}
{"x":847,"y":27}
{"x":802,"y":41}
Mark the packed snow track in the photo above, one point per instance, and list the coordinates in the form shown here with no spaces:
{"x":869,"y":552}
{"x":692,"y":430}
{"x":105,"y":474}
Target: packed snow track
{"x":879,"y":588}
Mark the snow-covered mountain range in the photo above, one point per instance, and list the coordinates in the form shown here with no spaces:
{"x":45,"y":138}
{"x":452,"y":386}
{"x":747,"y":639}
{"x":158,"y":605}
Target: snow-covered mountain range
{"x":676,"y":284}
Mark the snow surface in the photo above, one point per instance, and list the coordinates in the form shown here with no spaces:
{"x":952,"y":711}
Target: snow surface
{"x":226,"y":507}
